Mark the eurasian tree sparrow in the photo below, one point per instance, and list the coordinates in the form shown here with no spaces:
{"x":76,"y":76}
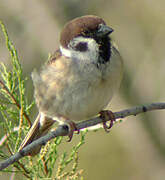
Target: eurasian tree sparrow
{"x":79,"y":80}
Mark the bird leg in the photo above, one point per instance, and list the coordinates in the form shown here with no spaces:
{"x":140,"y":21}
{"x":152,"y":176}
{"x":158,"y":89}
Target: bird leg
{"x":72,"y":128}
{"x":107,"y":116}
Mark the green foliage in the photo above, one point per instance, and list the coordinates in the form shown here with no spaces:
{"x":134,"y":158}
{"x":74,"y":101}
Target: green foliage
{"x":15,"y":123}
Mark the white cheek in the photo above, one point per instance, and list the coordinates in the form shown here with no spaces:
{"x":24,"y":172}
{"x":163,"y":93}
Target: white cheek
{"x":90,"y":55}
{"x":65,"y":52}
{"x":93,"y":49}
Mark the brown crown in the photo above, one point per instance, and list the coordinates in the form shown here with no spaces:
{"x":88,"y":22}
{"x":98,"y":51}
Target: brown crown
{"x":78,"y":26}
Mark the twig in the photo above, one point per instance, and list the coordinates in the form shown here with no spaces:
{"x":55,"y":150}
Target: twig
{"x":25,"y":171}
{"x":4,"y":138}
{"x":45,"y":165}
{"x":15,"y":101}
{"x":62,"y":130}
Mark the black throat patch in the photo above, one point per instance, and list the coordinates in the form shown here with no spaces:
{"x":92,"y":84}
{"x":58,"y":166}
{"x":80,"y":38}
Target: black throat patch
{"x":104,"y":47}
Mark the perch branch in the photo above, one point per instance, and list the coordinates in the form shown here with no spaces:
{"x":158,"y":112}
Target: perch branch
{"x":62,"y":130}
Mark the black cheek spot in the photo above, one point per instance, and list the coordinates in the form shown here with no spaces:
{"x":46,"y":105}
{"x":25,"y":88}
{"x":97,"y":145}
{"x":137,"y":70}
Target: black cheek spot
{"x":81,"y":47}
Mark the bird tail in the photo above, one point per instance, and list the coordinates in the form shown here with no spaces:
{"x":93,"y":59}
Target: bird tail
{"x":40,"y":127}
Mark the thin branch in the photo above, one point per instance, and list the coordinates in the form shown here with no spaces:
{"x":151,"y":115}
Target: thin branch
{"x":25,"y":171}
{"x":15,"y":101}
{"x":5,"y":137}
{"x":18,"y":167}
{"x":45,"y":165}
{"x":63,"y":130}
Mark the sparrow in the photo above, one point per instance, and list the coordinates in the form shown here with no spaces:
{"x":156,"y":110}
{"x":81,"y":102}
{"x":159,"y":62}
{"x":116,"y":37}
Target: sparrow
{"x":79,"y":80}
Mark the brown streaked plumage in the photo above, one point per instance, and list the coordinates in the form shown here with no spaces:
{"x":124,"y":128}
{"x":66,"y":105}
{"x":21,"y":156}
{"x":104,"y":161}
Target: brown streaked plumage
{"x":54,"y":56}
{"x":36,"y":131}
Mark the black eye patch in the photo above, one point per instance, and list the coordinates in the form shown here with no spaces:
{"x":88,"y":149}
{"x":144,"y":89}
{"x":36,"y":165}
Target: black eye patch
{"x":82,"y":46}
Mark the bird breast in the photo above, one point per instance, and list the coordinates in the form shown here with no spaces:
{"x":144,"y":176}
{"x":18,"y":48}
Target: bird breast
{"x":76,"y":91}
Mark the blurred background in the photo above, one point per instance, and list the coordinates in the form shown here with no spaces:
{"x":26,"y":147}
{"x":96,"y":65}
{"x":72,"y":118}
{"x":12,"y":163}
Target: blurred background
{"x":134,"y":149}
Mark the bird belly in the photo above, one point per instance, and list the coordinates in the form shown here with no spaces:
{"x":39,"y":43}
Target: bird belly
{"x":74,"y":99}
{"x":82,"y":100}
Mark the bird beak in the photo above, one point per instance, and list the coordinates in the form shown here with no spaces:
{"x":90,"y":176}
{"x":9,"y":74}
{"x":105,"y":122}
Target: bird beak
{"x":104,"y":30}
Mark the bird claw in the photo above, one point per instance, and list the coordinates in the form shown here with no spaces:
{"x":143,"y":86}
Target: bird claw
{"x":107,"y":116}
{"x":72,"y":128}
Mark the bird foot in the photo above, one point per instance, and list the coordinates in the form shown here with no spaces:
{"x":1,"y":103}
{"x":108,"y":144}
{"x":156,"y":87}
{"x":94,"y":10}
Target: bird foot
{"x":107,"y":116}
{"x":72,"y":128}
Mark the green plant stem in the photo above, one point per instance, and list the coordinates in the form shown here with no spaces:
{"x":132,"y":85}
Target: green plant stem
{"x":15,"y":102}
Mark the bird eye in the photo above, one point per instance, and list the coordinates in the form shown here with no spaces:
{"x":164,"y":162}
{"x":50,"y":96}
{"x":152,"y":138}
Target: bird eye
{"x":82,"y":46}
